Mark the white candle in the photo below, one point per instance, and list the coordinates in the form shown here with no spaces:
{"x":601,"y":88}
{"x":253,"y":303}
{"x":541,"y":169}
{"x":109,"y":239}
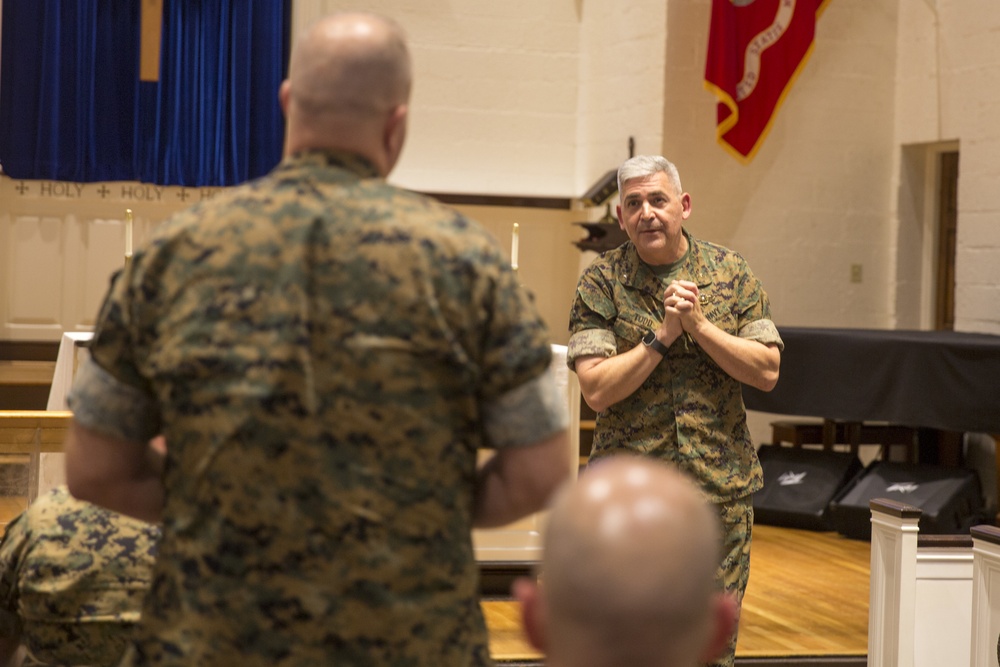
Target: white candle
{"x":128,"y":232}
{"x":513,"y":247}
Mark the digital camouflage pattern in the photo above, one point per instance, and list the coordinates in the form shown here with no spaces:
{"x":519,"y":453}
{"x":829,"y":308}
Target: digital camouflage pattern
{"x":688,"y":411}
{"x":320,"y":349}
{"x":736,"y":517}
{"x":72,"y":580}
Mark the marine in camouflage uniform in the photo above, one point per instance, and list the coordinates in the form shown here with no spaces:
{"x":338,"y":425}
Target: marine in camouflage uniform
{"x":325,"y":354}
{"x":688,"y":411}
{"x":72,"y":580}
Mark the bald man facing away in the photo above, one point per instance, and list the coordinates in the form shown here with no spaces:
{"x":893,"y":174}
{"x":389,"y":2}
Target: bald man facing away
{"x":628,"y":572}
{"x":325,"y":354}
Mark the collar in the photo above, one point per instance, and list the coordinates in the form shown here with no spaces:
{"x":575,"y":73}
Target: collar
{"x":636,"y":273}
{"x":356,"y":164}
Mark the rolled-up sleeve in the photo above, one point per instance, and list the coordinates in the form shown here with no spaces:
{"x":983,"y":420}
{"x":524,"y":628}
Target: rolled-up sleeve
{"x":589,"y":343}
{"x":527,"y":414}
{"x":105,"y":404}
{"x":762,"y":331}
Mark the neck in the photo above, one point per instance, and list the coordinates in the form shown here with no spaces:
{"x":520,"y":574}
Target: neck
{"x":667,"y":254}
{"x":355,"y":139}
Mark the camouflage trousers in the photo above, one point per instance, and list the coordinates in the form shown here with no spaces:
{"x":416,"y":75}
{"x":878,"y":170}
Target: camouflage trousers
{"x":734,"y":572}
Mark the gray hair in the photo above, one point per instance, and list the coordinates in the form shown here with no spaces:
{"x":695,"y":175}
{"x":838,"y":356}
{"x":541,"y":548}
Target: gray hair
{"x":642,"y":166}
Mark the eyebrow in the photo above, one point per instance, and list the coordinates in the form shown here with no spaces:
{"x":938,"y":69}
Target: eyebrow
{"x":634,"y":195}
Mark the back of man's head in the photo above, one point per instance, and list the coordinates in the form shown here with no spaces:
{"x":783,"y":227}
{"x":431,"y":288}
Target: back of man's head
{"x":347,"y":74}
{"x":629,"y":571}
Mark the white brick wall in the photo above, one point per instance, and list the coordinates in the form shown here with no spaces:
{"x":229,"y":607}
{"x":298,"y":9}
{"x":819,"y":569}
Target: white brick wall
{"x":540,"y":97}
{"x":495,"y":94}
{"x":496,"y":110}
{"x":621,"y":83}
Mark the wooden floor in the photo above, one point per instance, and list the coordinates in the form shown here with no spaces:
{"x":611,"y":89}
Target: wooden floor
{"x":808,"y":596}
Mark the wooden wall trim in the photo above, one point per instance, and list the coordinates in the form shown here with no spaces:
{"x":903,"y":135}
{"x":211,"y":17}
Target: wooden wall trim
{"x":470,"y":199}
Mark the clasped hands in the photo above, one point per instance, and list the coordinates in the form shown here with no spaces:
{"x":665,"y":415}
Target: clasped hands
{"x":683,"y":310}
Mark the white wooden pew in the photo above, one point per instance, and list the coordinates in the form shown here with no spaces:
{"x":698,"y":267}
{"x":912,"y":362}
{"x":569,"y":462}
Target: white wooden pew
{"x":920,"y":610}
{"x":985,"y":596}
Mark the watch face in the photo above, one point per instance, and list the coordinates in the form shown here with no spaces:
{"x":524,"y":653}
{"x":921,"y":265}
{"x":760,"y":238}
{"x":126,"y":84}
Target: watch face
{"x":649,"y":340}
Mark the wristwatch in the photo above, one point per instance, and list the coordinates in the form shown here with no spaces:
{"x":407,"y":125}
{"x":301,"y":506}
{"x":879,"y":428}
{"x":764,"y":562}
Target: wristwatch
{"x":650,"y":340}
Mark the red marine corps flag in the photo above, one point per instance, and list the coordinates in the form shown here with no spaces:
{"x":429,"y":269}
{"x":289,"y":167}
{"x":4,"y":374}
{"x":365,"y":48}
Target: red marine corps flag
{"x":755,"y":50}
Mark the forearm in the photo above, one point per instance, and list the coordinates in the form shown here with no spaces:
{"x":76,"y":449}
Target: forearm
{"x":122,"y":476}
{"x":518,"y":481}
{"x":748,"y":361}
{"x":605,"y":381}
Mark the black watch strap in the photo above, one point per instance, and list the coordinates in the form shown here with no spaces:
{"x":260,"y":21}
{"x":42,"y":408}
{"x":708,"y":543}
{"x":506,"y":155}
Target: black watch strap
{"x":650,"y":340}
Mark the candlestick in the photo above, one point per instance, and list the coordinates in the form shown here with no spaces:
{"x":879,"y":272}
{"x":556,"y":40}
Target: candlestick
{"x":513,"y":247}
{"x":128,"y":233}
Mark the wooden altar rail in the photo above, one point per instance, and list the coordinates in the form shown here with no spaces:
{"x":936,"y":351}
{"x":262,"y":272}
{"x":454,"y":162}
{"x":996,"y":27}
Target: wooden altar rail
{"x":935,"y":600}
{"x":32,"y":431}
{"x":829,"y":433}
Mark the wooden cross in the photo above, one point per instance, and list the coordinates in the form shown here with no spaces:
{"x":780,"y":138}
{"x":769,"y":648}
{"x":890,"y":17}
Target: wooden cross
{"x":151,"y":20}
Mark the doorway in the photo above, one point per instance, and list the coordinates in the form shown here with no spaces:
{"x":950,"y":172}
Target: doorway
{"x":947,"y":233}
{"x":926,"y":236}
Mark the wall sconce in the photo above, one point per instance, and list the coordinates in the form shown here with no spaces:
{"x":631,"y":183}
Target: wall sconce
{"x":604,"y":189}
{"x":605,"y":234}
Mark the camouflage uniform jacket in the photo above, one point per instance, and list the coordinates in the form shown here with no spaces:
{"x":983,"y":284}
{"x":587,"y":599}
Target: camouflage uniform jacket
{"x":688,"y":411}
{"x":72,"y":580}
{"x":318,"y":347}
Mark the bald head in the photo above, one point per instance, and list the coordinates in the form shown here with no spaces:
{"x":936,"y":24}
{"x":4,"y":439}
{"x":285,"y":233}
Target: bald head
{"x":349,"y":76}
{"x":631,"y":553}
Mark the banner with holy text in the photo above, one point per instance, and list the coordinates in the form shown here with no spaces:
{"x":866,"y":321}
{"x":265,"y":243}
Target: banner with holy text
{"x":756,"y":48}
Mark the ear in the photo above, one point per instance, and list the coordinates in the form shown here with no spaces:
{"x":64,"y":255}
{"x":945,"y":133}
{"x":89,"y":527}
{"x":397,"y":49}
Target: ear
{"x":284,"y":94}
{"x":529,"y":596}
{"x":685,"y":206}
{"x":394,"y":135}
{"x":621,"y":222}
{"x":724,"y":617}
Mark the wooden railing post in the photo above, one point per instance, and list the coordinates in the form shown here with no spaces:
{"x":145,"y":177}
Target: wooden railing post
{"x":891,"y":605}
{"x":985,"y":649}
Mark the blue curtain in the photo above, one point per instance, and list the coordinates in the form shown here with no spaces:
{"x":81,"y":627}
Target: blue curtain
{"x":72,"y":107}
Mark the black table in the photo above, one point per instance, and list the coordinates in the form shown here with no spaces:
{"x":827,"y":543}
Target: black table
{"x":928,"y":379}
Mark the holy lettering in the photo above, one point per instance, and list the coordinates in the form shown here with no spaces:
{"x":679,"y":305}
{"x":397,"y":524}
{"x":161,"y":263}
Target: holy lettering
{"x":60,"y":189}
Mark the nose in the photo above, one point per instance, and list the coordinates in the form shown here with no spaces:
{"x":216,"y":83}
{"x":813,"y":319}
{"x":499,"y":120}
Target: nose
{"x":647,"y":210}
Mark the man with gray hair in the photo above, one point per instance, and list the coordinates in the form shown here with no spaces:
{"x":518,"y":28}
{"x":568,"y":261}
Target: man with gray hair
{"x":665,"y":330}
{"x":326,"y":355}
{"x":628,"y":572}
